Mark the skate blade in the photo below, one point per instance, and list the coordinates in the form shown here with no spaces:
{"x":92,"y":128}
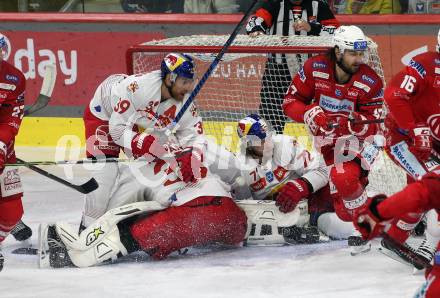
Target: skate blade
{"x":43,"y":247}
{"x":394,"y":256}
{"x":356,"y":251}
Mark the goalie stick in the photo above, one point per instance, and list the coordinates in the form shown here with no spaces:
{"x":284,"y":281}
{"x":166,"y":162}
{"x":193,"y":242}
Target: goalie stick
{"x":45,"y":92}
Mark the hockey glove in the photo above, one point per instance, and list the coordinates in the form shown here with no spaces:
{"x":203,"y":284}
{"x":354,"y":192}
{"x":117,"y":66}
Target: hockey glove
{"x":420,"y":142}
{"x":367,"y":220}
{"x":144,"y":144}
{"x":291,"y":194}
{"x":316,"y":120}
{"x":3,"y":150}
{"x":190,"y":162}
{"x":256,"y":24}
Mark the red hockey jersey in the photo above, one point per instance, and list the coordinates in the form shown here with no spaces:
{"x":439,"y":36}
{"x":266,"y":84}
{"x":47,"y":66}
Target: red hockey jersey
{"x":315,"y":83}
{"x":413,"y":95}
{"x":12,"y":89}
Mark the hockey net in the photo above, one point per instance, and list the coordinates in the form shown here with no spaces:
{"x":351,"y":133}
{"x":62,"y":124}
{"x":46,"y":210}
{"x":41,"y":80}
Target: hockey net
{"x":239,"y":82}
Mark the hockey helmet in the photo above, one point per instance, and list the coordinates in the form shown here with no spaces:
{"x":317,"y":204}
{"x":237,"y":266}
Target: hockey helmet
{"x":177,"y":65}
{"x":253,"y":126}
{"x":350,"y":38}
{"x":5,"y":46}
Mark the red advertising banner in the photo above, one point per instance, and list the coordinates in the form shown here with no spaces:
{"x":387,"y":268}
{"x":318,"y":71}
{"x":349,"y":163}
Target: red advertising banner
{"x":395,"y":51}
{"x":83,"y":60}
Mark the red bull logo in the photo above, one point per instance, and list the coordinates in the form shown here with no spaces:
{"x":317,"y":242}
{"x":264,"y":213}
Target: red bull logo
{"x":173,"y":61}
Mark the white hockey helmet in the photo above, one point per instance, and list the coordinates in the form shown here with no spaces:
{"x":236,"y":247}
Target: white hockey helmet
{"x":350,"y":38}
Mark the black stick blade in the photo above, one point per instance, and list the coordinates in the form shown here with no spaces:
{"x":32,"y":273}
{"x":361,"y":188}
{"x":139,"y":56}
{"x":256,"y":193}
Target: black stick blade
{"x":87,"y":187}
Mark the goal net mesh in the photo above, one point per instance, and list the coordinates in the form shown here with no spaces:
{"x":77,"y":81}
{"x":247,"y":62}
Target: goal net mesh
{"x":253,"y":77}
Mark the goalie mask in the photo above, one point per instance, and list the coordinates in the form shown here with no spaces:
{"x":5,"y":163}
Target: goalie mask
{"x":177,"y":65}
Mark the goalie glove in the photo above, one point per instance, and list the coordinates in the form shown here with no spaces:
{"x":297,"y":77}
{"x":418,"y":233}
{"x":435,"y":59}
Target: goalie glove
{"x":367,"y":219}
{"x":144,"y":144}
{"x":291,"y":194}
{"x":256,"y":24}
{"x":420,"y":142}
{"x":316,"y":120}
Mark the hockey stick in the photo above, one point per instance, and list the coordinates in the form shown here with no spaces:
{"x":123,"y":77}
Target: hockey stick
{"x":92,"y":161}
{"x":170,"y":129}
{"x":360,"y":122}
{"x":70,"y":162}
{"x":45,"y":92}
{"x":85,"y":188}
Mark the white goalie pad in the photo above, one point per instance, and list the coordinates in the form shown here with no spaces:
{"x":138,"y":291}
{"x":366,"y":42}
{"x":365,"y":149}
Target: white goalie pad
{"x":100,"y":241}
{"x":264,"y":219}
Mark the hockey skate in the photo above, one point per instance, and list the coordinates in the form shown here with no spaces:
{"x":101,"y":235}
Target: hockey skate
{"x":52,"y":251}
{"x":21,"y":231}
{"x":404,"y":254}
{"x":358,"y":245}
{"x":426,"y":251}
{"x":2,"y":261}
{"x":302,"y":235}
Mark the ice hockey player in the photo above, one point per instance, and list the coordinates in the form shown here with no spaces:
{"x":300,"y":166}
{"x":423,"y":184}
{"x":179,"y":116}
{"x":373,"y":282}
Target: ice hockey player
{"x":377,"y":214}
{"x":277,"y":173}
{"x":413,"y":134}
{"x":174,"y":215}
{"x":121,"y":106}
{"x":286,"y":18}
{"x":329,"y":94}
{"x":12,"y":89}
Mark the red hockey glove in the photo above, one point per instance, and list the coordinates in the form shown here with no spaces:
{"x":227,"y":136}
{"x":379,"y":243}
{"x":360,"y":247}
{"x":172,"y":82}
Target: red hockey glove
{"x":316,"y":120}
{"x":190,"y":162}
{"x":421,"y":142}
{"x":3,"y":150}
{"x":291,"y":193}
{"x":367,"y":220}
{"x":145,"y":144}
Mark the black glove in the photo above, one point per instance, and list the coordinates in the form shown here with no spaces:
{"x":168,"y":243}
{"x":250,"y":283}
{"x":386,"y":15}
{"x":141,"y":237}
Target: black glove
{"x":256,"y":24}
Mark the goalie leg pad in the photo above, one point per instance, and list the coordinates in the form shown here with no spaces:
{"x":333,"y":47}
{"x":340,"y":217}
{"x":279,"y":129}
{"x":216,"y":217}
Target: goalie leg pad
{"x":101,"y":240}
{"x":266,"y":222}
{"x":334,"y":227}
{"x":96,"y":203}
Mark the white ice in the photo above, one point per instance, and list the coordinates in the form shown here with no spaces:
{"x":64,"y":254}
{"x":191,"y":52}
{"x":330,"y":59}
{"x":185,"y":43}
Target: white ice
{"x":321,"y":270}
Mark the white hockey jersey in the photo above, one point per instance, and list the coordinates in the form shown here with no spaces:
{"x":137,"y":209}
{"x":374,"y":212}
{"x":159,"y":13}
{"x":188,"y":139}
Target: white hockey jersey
{"x":289,"y":160}
{"x":136,"y":102}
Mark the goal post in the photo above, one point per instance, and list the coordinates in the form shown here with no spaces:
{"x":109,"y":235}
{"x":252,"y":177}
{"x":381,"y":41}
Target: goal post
{"x":241,"y":79}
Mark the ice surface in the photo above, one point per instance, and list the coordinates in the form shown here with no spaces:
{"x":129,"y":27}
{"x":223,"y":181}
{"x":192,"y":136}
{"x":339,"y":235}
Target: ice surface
{"x":322,"y":270}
